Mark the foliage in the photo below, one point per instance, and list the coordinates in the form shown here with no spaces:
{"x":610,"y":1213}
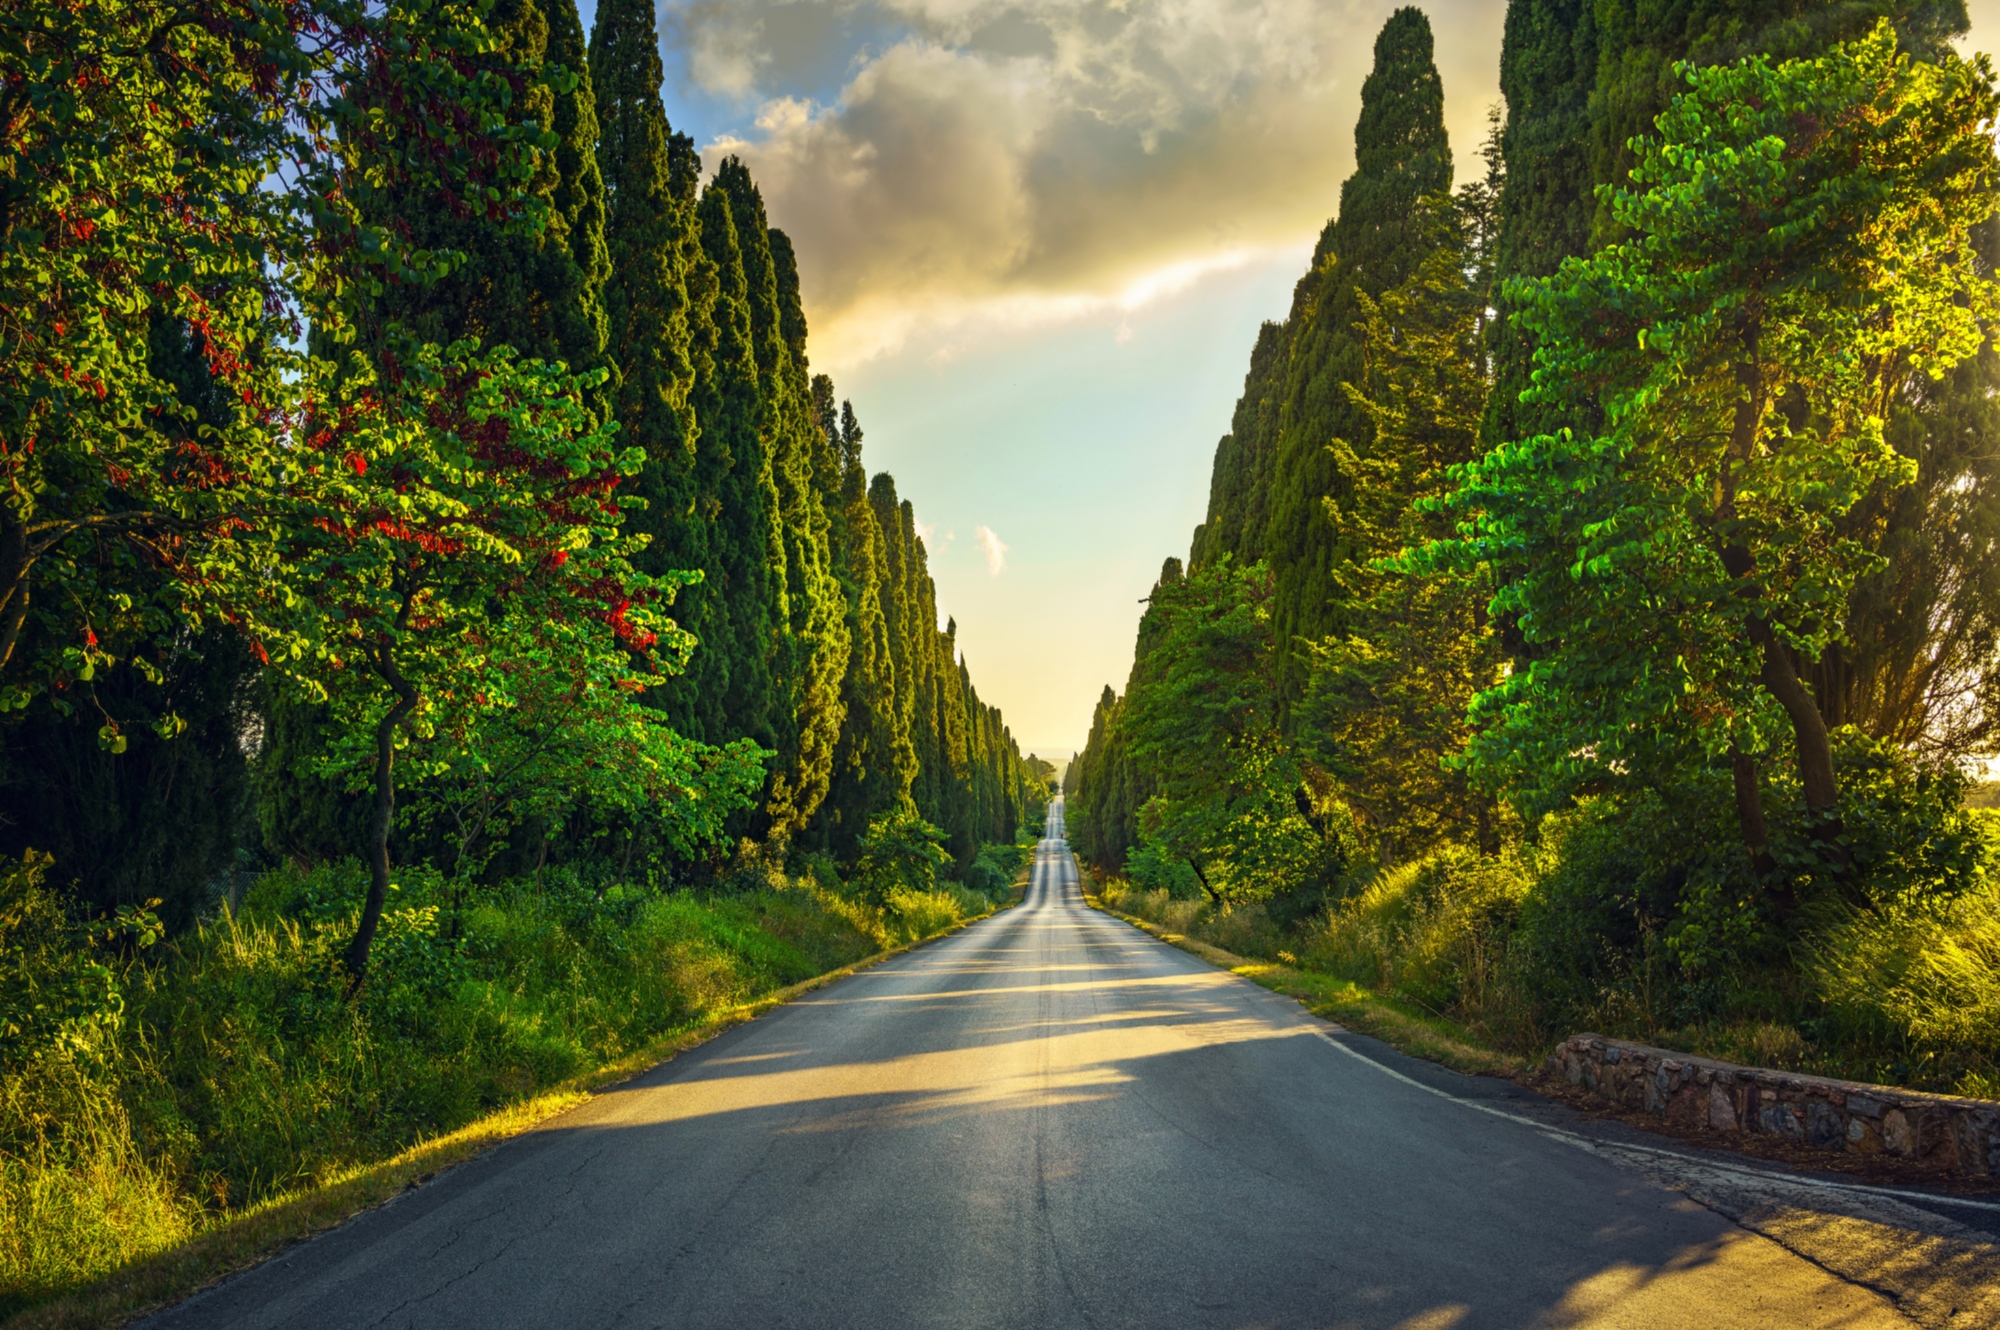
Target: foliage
{"x":1232,"y":800}
{"x":992,"y":872}
{"x":1918,"y":980}
{"x":1385,"y":709}
{"x":900,"y":852}
{"x":1380,"y":235}
{"x":455,"y":517}
{"x":1800,"y":251}
{"x":56,"y":997}
{"x":141,"y":138}
{"x":1738,"y":533}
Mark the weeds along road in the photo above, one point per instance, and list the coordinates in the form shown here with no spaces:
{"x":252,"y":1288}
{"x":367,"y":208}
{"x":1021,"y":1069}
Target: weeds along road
{"x":1046,"y":1120}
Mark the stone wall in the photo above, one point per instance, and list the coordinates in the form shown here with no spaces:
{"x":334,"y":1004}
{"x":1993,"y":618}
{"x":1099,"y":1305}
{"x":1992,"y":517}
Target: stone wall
{"x":1962,"y":1134}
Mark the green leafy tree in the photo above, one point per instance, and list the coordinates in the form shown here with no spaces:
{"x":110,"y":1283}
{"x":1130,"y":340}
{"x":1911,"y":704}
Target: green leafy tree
{"x":440,"y":508}
{"x":141,"y":136}
{"x":559,"y":732}
{"x":900,"y":852}
{"x":1640,"y":43}
{"x":1232,"y":797}
{"x":1799,"y":251}
{"x":1919,"y":663}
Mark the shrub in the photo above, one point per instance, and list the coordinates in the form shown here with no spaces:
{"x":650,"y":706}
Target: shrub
{"x":1919,"y":981}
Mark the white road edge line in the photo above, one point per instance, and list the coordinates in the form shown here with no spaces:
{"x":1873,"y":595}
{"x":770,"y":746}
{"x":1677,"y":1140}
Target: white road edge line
{"x":1594,"y":1147}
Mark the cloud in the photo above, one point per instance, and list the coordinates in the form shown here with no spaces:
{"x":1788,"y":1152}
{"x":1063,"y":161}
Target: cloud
{"x":994,"y":548}
{"x":980,"y":164}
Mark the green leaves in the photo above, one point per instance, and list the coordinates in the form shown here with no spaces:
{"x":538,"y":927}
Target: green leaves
{"x":1798,"y":252}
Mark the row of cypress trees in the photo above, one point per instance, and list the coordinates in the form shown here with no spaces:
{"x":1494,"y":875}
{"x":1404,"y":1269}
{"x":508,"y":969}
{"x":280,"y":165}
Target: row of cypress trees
{"x":816,"y":617}
{"x":1579,"y":79}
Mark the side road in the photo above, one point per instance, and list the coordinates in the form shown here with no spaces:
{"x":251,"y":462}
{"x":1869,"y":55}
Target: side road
{"x":1936,"y":1256}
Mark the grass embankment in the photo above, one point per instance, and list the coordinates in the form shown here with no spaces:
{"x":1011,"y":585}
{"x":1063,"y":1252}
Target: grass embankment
{"x":240,"y":1102}
{"x":1485,"y":964}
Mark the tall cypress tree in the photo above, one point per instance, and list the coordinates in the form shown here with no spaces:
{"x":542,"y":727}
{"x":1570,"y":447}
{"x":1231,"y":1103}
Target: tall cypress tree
{"x":746,"y":566}
{"x":1402,"y":156}
{"x":873,"y":765}
{"x":1239,"y":487}
{"x":895,"y":521}
{"x":1548,"y":67}
{"x":516,"y":287}
{"x":812,"y":650}
{"x":578,"y":197}
{"x":654,"y":304}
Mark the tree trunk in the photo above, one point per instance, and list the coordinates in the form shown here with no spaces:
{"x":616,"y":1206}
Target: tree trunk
{"x":1750,"y":811}
{"x":1778,"y":672}
{"x":385,"y":812}
{"x":1202,"y":878}
{"x":1815,"y":747}
{"x":1487,"y":831}
{"x":14,"y":565}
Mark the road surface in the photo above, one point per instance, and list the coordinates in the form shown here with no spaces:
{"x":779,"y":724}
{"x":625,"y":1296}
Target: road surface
{"x":1046,"y":1120}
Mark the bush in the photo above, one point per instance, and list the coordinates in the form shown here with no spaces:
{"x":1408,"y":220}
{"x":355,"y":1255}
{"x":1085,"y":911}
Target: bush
{"x":1154,"y":867}
{"x":1437,"y":932}
{"x":899,"y":852}
{"x":1918,"y":982}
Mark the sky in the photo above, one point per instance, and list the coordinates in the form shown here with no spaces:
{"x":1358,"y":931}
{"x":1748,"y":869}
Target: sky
{"x":1036,"y":239}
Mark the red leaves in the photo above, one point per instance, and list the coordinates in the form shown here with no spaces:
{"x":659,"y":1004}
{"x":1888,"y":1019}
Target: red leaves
{"x":358,"y":462}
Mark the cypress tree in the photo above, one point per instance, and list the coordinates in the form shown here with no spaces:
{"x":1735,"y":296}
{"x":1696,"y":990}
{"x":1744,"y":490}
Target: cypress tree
{"x":746,"y":560}
{"x":895,"y":521}
{"x":1402,"y":156}
{"x":578,"y":198}
{"x":812,"y":650}
{"x":657,"y":308}
{"x":516,"y":287}
{"x":873,"y":765}
{"x":1239,"y":487}
{"x":1548,"y":67}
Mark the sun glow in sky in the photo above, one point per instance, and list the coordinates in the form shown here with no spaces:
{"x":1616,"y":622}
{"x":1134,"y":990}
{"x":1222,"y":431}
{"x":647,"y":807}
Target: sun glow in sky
{"x":1036,"y":239}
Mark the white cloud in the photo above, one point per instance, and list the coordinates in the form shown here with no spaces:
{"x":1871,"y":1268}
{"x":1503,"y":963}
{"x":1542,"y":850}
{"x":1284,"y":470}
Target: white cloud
{"x":994,"y":164}
{"x":994,"y":549}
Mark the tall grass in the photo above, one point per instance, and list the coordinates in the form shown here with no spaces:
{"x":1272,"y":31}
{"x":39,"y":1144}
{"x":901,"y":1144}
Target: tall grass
{"x":236,"y":1071}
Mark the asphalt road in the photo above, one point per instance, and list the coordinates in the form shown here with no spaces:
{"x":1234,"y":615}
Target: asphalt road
{"x":1046,"y":1120}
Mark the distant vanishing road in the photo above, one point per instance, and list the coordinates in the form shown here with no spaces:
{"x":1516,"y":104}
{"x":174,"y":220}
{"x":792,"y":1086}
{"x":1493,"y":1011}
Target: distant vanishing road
{"x":1048,"y":1119}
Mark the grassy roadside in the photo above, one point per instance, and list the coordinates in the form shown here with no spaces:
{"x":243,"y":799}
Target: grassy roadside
{"x":1398,"y":1024}
{"x":257,"y":1233}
